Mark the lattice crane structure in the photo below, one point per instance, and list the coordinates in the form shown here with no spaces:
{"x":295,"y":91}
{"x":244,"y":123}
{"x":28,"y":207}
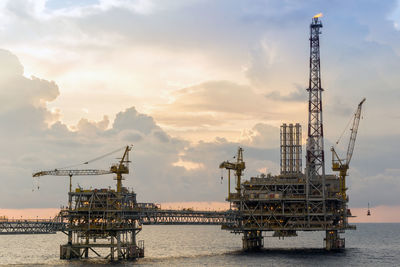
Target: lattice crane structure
{"x":342,"y":165}
{"x":238,"y":167}
{"x":122,"y":167}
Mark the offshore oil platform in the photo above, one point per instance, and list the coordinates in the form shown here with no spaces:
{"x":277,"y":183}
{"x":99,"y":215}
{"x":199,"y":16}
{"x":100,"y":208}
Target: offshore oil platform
{"x":105,"y":222}
{"x":295,"y":201}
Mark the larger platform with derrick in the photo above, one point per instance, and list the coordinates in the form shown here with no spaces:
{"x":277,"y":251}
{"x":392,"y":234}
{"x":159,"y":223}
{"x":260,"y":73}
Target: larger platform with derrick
{"x":295,"y":200}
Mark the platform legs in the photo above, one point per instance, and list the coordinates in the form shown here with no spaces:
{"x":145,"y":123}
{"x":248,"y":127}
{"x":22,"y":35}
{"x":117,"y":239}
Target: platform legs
{"x":252,"y":240}
{"x":333,"y":241}
{"x":67,"y":252}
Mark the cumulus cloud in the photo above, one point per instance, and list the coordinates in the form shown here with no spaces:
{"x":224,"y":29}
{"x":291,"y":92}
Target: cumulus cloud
{"x":261,"y":135}
{"x":269,"y":56}
{"x":210,"y":103}
{"x":300,"y":94}
{"x":131,"y":119}
{"x":164,"y":168}
{"x":86,"y":126}
{"x":221,"y":106}
{"x":23,"y":99}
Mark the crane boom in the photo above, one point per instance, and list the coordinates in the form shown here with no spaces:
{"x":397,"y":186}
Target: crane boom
{"x":120,"y":168}
{"x":71,"y":172}
{"x":343,"y":165}
{"x":354,"y":130}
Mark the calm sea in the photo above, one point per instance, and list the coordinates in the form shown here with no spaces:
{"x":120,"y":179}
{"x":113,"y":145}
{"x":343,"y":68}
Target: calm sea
{"x":369,"y":245}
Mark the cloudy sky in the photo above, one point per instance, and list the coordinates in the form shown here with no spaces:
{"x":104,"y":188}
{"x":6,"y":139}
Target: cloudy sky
{"x":187,"y":82}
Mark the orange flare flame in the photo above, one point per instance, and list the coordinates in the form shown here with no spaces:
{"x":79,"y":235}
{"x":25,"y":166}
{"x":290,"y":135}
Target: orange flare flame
{"x":318,"y":15}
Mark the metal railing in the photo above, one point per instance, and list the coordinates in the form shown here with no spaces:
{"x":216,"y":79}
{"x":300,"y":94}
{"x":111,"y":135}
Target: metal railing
{"x":30,"y":226}
{"x":146,"y":215}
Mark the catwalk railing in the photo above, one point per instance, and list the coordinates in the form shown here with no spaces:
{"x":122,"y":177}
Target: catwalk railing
{"x":143,"y":216}
{"x":30,"y":226}
{"x":181,"y":217}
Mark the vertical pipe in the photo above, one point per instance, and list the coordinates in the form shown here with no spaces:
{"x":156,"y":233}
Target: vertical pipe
{"x":70,"y":183}
{"x":229,"y":184}
{"x":133,"y":244}
{"x":291,"y":151}
{"x":298,"y":148}
{"x":283,"y":149}
{"x":112,"y":248}
{"x":119,"y":254}
{"x":70,"y":220}
{"x":87,"y":248}
{"x":301,"y":148}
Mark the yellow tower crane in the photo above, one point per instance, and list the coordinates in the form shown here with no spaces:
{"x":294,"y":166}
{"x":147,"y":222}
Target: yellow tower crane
{"x":122,"y":167}
{"x":238,"y":167}
{"x":342,"y":165}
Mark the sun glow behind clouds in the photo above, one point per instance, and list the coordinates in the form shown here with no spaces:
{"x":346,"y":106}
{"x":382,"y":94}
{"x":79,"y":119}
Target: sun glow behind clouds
{"x":188,"y":165}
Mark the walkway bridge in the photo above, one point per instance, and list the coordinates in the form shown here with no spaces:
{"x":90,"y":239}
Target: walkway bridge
{"x":30,"y":226}
{"x":185,"y":217}
{"x":145,"y":216}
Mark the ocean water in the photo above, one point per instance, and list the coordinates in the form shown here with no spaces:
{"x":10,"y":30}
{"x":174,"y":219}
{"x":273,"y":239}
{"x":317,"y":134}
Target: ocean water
{"x":369,"y":245}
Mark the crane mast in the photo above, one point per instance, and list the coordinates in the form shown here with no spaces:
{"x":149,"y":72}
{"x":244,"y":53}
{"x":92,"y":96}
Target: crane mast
{"x":341,"y":165}
{"x":238,"y":167}
{"x":121,"y":168}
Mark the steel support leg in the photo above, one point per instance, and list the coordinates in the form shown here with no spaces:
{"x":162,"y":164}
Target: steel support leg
{"x":112,"y":248}
{"x":252,"y":240}
{"x":119,"y":254}
{"x":333,"y":241}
